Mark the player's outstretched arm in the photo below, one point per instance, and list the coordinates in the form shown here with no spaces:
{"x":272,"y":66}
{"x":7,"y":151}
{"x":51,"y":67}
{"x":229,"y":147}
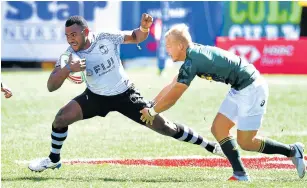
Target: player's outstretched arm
{"x":166,"y":102}
{"x":140,"y":34}
{"x":165,"y":90}
{"x":171,"y":97}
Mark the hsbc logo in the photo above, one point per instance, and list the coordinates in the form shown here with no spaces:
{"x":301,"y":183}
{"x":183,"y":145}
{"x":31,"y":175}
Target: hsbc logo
{"x":248,"y":52}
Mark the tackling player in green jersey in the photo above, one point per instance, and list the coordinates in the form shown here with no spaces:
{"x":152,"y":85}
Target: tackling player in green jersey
{"x":244,"y":105}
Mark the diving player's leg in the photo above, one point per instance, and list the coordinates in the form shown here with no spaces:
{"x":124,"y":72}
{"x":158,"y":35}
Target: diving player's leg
{"x":223,"y":122}
{"x":134,"y":102}
{"x":75,"y":110}
{"x":183,"y":133}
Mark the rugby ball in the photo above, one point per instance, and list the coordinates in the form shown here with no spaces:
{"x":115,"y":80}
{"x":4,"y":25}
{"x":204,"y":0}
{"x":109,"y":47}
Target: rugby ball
{"x":74,"y":77}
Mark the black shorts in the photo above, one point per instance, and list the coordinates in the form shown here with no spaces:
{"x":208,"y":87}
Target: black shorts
{"x":128,"y":103}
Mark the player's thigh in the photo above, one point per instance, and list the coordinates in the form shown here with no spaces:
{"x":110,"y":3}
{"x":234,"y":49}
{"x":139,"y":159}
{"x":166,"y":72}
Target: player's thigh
{"x":250,"y":123}
{"x":252,"y":106}
{"x":226,"y":117}
{"x":131,"y":104}
{"x":253,"y":100}
{"x":92,"y":105}
{"x":229,"y":109}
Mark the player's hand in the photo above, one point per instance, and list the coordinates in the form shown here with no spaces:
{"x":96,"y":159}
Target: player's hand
{"x":76,"y":65}
{"x":146,"y":21}
{"x":146,"y":117}
{"x":7,"y":91}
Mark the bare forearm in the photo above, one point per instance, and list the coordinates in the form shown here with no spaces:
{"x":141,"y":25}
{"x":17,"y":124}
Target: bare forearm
{"x":57,"y":78}
{"x":164,"y":105}
{"x":139,"y":36}
{"x":170,"y":98}
{"x":167,"y":100}
{"x":162,"y":93}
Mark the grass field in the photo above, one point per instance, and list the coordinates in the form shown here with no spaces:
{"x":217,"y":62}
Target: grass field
{"x":26,"y":127}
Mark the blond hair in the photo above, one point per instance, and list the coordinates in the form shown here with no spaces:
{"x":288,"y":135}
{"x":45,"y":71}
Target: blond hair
{"x":180,"y":32}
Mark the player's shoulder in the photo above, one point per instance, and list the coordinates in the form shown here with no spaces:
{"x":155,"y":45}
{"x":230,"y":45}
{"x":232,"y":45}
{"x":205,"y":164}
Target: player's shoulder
{"x":69,"y":50}
{"x":199,"y":53}
{"x":186,"y":65}
{"x":196,"y":49}
{"x":108,"y":34}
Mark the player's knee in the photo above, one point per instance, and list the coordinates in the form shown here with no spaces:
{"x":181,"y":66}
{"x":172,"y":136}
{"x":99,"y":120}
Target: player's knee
{"x":245,"y":144}
{"x":214,"y":130}
{"x":59,"y":122}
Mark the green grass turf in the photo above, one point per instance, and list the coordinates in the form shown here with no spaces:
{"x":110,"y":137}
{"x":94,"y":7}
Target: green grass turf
{"x":26,"y":127}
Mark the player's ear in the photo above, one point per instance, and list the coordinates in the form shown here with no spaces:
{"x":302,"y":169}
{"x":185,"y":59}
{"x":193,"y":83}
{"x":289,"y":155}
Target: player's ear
{"x":180,"y":46}
{"x":86,"y":31}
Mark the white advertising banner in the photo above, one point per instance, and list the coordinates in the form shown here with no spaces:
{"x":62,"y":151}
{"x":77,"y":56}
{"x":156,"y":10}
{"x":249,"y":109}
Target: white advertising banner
{"x":35,"y":30}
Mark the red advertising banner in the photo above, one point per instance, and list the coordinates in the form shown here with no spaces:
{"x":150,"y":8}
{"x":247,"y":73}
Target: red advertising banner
{"x":270,"y":56}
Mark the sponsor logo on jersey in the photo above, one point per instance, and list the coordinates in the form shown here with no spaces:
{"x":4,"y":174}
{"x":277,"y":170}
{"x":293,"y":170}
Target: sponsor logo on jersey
{"x":103,"y":49}
{"x":262,"y":103}
{"x":206,"y":77}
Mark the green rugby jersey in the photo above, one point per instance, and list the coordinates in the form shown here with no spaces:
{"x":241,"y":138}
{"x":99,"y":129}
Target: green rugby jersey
{"x":216,"y":64}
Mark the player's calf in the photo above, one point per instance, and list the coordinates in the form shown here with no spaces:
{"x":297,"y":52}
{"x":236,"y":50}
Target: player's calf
{"x":248,"y":144}
{"x":184,"y":133}
{"x":163,"y":126}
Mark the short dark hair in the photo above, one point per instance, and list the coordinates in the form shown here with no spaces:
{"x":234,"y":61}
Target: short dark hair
{"x":79,"y":20}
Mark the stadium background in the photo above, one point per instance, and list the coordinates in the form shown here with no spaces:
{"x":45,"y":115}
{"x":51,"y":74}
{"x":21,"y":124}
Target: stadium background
{"x":36,"y":30}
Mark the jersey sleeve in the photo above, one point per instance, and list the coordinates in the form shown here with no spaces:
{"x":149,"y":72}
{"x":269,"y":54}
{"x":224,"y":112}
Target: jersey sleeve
{"x":114,"y":37}
{"x":187,"y":73}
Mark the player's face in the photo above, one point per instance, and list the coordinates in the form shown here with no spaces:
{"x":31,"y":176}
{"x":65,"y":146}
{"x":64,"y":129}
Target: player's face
{"x":76,"y":37}
{"x":173,"y":48}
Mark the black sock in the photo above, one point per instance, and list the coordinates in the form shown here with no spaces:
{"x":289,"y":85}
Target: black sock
{"x":230,"y":149}
{"x":269,"y":146}
{"x":58,"y":136}
{"x":186,"y":134}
